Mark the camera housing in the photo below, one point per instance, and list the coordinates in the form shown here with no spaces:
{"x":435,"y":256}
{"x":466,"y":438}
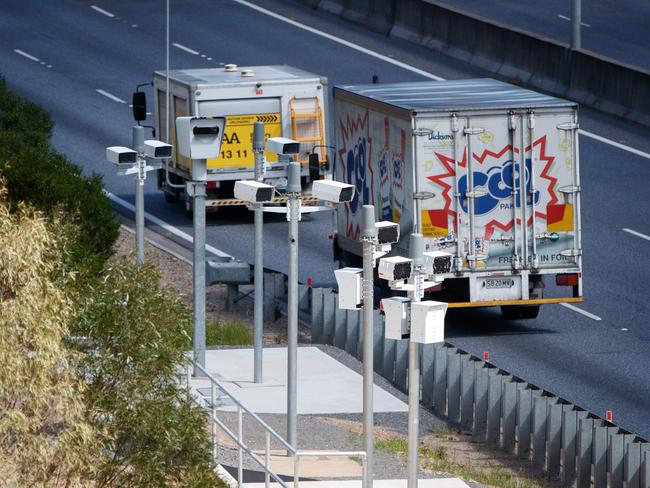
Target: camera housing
{"x":253,"y":191}
{"x":437,"y":262}
{"x":398,"y":317}
{"x":387,"y":232}
{"x":428,"y":322}
{"x":121,"y":156}
{"x":332,"y":191}
{"x":282,"y":146}
{"x":350,"y":287}
{"x":157,"y":150}
{"x":200,"y":137}
{"x":395,"y":268}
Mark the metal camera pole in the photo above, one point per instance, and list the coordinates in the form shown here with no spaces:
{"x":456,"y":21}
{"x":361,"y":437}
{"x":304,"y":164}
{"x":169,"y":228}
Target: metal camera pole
{"x":416,"y":251}
{"x":258,"y":330}
{"x":293,"y":191}
{"x":138,"y":146}
{"x":198,"y":190}
{"x":368,"y":242}
{"x":576,"y":19}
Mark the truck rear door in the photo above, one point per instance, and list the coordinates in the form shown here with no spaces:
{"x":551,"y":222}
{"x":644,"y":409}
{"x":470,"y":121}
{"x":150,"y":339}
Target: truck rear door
{"x":512,"y":207}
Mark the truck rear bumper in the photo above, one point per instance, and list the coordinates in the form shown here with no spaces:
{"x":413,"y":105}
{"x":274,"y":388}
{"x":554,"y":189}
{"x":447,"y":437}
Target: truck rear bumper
{"x":496,"y":303}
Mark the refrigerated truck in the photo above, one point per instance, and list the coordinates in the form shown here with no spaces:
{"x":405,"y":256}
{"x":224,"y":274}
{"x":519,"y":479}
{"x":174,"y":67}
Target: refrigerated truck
{"x":486,"y":171}
{"x":291,"y":102}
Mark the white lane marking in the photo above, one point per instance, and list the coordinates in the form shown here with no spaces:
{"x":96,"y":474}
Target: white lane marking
{"x":27,"y":55}
{"x":635,"y":233}
{"x":164,"y":225}
{"x":615,"y":144}
{"x":564,"y":17}
{"x":579,"y":310}
{"x":185,"y":48}
{"x":108,"y":95}
{"x":409,"y":67}
{"x":349,"y":44}
{"x":102,"y":11}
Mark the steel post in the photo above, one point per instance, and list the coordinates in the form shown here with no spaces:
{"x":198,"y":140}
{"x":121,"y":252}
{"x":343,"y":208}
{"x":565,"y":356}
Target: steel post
{"x":293,"y":190}
{"x":138,"y":146}
{"x":368,"y":238}
{"x":258,"y":329}
{"x":199,"y":276}
{"x":576,"y":19}
{"x":416,"y":252}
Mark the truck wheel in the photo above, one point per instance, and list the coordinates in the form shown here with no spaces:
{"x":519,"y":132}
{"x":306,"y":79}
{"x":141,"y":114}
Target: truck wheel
{"x":172,"y":196}
{"x":188,"y":204}
{"x":516,"y":312}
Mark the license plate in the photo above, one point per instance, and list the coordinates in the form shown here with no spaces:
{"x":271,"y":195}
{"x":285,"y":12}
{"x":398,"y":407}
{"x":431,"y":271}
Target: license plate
{"x":493,"y":283}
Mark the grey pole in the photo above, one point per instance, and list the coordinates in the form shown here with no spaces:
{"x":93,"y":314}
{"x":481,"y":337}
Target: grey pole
{"x":416,"y":251}
{"x":258,"y":329}
{"x":368,"y":240}
{"x":576,"y":20}
{"x":199,"y":271}
{"x":293,"y":190}
{"x":138,"y":146}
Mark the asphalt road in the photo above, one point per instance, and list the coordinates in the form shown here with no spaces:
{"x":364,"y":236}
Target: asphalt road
{"x":68,"y":51}
{"x":614,"y":28}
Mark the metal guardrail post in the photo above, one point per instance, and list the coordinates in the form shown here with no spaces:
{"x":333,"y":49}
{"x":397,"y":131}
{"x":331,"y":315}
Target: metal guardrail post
{"x":259,"y":145}
{"x":267,"y":459}
{"x":240,"y":435}
{"x":213,"y":402}
{"x":296,"y":469}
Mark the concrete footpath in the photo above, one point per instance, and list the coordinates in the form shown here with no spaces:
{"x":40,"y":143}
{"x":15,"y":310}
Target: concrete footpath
{"x":330,"y":415}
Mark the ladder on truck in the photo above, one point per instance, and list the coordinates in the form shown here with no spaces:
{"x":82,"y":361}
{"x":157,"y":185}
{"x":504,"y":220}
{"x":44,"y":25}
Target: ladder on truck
{"x":307,"y":126}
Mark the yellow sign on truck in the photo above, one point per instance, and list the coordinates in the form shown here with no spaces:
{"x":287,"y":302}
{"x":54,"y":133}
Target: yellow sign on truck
{"x":290,"y":102}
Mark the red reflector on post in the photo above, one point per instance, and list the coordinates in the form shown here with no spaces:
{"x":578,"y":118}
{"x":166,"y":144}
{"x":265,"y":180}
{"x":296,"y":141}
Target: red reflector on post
{"x":486,"y":356}
{"x":310,"y":282}
{"x":566,"y":280}
{"x":610,"y":416}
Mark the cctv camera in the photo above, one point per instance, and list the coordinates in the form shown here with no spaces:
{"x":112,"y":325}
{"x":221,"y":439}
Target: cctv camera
{"x":332,"y":191}
{"x":387,"y":232}
{"x":437,"y":262}
{"x":395,"y":268}
{"x":157,"y":150}
{"x":253,"y":191}
{"x":200,"y":137}
{"x":282,"y":146}
{"x":121,"y":156}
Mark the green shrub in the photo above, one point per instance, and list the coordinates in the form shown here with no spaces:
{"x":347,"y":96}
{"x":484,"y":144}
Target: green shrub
{"x":228,"y":334}
{"x":36,"y":174}
{"x":141,"y":334}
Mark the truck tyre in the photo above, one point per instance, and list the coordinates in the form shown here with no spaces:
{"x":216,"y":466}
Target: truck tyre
{"x":517,"y":312}
{"x":188,"y":205}
{"x":172,"y":195}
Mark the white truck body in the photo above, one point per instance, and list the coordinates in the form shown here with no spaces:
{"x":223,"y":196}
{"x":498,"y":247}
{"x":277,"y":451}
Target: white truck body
{"x":405,"y":147}
{"x":290,"y":102}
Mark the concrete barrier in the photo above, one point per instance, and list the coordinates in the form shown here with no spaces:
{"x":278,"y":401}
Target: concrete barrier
{"x":510,"y":54}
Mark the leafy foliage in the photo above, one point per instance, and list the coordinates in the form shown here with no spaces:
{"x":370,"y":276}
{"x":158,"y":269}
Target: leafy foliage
{"x":36,"y":174}
{"x":45,"y":438}
{"x":141,"y":333}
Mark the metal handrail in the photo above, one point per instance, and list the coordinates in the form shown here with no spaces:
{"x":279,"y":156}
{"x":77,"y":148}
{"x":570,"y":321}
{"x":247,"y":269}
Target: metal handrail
{"x":243,"y":448}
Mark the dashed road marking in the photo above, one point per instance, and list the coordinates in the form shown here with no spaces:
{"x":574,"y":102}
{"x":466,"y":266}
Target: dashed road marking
{"x":564,"y":17}
{"x":109,"y":95}
{"x":580,"y":311}
{"x":27,"y":55}
{"x":102,"y":11}
{"x":635,"y":233}
{"x":185,"y":48}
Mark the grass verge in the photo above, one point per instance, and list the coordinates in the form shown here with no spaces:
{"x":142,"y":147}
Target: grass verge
{"x":231,"y":333}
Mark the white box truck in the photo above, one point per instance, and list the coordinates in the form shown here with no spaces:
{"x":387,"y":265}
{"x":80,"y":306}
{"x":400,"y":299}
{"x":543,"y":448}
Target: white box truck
{"x":290,"y":102}
{"x":486,"y":171}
